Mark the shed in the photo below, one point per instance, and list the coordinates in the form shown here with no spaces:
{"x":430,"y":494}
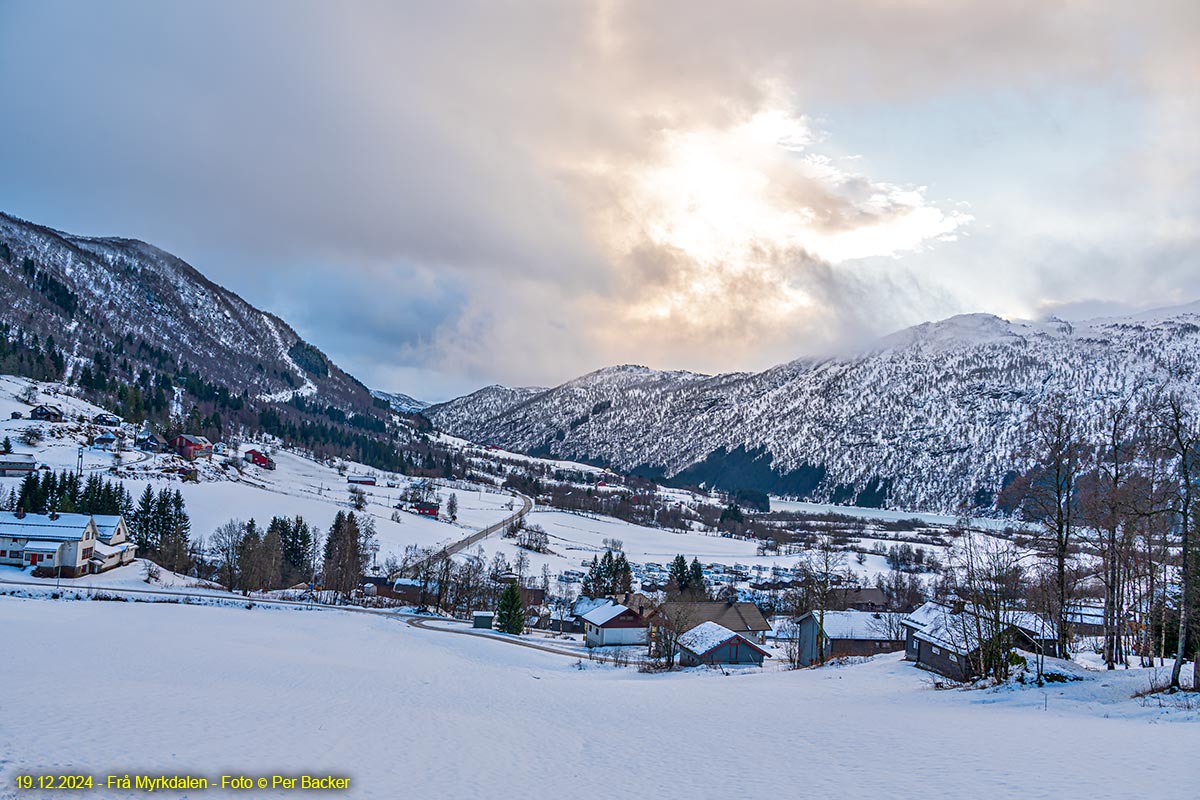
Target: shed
{"x":710,"y":643}
{"x":482,"y":619}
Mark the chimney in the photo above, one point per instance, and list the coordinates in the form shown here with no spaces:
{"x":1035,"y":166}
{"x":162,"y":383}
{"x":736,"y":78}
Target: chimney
{"x":20,"y":512}
{"x":53,"y":514}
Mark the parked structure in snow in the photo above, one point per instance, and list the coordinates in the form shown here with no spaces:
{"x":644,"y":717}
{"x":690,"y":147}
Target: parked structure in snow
{"x":259,"y":459}
{"x":947,"y":640}
{"x":847,"y":633}
{"x":710,"y":643}
{"x":192,"y":447}
{"x":47,"y":413}
{"x":613,"y":624}
{"x":17,"y":465}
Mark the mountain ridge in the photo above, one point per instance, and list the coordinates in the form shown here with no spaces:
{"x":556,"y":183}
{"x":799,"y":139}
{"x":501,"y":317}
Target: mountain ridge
{"x":928,"y":417}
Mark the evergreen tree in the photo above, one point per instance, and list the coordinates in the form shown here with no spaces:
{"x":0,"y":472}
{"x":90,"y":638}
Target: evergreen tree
{"x":622,"y":575}
{"x":141,"y":526}
{"x":678,"y":573}
{"x":510,"y":615}
{"x":696,"y":576}
{"x":6,"y":447}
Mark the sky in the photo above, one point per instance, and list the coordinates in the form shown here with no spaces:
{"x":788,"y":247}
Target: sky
{"x":446,"y":195}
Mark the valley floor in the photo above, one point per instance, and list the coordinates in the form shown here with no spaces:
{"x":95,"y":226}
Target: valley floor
{"x":109,"y":688}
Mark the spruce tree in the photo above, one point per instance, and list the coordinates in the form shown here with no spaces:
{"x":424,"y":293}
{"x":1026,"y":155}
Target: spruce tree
{"x":510,"y":616}
{"x":6,"y":447}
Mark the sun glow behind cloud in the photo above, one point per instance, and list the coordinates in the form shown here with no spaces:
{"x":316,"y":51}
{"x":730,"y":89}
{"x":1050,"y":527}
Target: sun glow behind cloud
{"x":752,"y":210}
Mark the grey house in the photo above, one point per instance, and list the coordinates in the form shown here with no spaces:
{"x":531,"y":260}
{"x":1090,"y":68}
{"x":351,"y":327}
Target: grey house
{"x":848,"y":633}
{"x":947,"y":640}
{"x":17,"y":465}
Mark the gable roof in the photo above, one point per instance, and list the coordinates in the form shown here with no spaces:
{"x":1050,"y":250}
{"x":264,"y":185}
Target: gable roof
{"x":857,"y":625}
{"x":106,"y":525}
{"x":599,"y":616}
{"x":959,"y":633}
{"x":198,"y":441}
{"x":737,"y":617}
{"x":708,"y":636}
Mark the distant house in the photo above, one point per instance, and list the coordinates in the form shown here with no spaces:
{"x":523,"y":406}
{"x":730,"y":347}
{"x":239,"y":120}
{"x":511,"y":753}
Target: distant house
{"x":47,"y":413}
{"x":150,"y":442}
{"x":259,"y":459}
{"x":857,"y":598}
{"x":427,"y":509}
{"x":613,"y":624}
{"x":848,"y":633}
{"x":947,"y":640}
{"x":192,"y":447}
{"x":106,"y":420}
{"x":105,"y":441}
{"x":710,"y":643}
{"x":17,"y":465}
{"x":16,"y":415}
{"x":52,"y":544}
{"x":361,"y":480}
{"x":741,"y":618}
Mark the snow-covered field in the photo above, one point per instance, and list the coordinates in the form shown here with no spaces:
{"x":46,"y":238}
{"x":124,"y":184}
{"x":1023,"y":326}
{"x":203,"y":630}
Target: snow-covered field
{"x":169,"y":689}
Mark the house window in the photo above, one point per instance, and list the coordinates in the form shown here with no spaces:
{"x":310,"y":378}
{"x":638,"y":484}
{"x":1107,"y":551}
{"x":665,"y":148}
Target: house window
{"x":937,"y":652}
{"x":87,"y":553}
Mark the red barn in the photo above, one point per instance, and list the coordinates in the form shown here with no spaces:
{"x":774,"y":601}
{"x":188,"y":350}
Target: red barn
{"x":259,"y":459}
{"x":192,"y":447}
{"x":427,"y":509}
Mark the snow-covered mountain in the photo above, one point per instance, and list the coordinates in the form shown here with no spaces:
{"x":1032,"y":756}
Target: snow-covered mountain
{"x":928,"y":418}
{"x":130,"y":300}
{"x":401,"y":403}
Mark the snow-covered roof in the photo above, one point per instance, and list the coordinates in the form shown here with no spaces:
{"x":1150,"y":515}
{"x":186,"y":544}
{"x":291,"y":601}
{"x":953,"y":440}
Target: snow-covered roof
{"x":483,"y":613}
{"x":585,"y":604}
{"x":63,"y":528}
{"x":106,"y":550}
{"x":42,"y":547}
{"x":17,"y":460}
{"x":960,"y":632}
{"x":709,"y":635}
{"x":603,"y":614}
{"x":106,"y":524}
{"x":859,"y":625}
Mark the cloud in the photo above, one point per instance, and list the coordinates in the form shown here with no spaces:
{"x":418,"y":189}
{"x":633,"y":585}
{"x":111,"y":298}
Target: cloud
{"x":461,"y":193}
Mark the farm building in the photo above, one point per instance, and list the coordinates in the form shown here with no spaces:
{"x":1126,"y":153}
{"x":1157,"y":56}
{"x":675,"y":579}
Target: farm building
{"x":710,"y":643}
{"x":848,"y":633}
{"x":613,"y":624}
{"x":192,"y":447}
{"x":17,"y":465}
{"x":946,"y":640}
{"x":47,"y":413}
{"x":52,"y":544}
{"x":259,"y":459}
{"x":361,"y":480}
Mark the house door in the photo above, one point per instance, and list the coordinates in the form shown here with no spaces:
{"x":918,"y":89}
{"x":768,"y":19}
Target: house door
{"x":34,"y":558}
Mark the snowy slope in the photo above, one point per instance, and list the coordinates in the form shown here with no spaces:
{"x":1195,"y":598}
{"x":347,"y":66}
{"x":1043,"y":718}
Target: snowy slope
{"x":212,"y":690}
{"x":127,"y":290}
{"x":925,"y":420}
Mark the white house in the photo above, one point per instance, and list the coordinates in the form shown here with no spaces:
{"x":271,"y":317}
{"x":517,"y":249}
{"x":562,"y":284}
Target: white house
{"x":64,"y":545}
{"x":113,"y":548}
{"x":17,"y":465}
{"x":60,"y":544}
{"x":613,"y":625}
